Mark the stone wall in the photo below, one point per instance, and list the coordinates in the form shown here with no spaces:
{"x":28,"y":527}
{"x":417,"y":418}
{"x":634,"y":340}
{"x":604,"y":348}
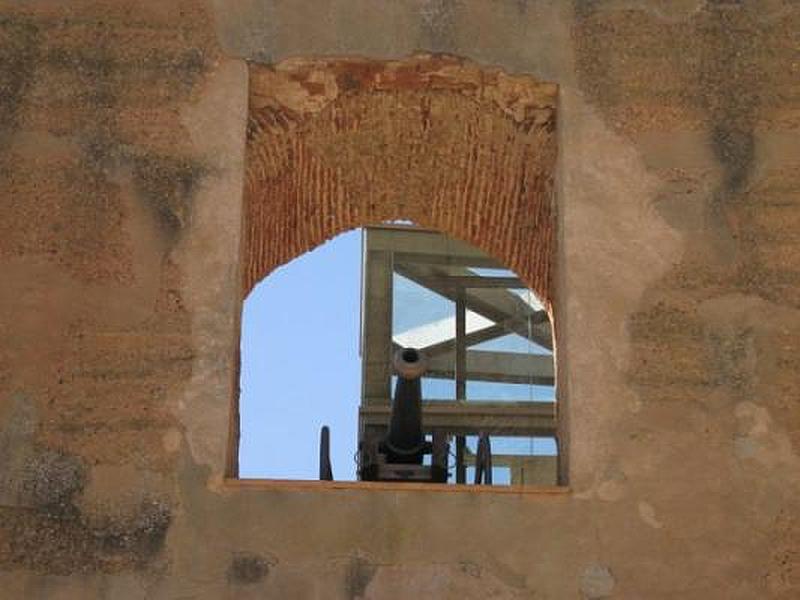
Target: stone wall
{"x":677,"y":285}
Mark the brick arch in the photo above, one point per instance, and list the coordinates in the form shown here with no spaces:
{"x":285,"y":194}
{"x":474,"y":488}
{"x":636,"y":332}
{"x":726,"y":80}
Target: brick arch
{"x":335,"y":144}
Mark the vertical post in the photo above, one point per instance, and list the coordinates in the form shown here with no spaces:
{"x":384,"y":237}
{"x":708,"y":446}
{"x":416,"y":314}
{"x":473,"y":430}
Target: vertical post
{"x":325,"y":469}
{"x":487,"y":462}
{"x":483,"y":461}
{"x":461,"y":347}
{"x":461,"y":378}
{"x":376,"y":342}
{"x":377,"y":326}
{"x":461,"y":469}
{"x":440,"y":456}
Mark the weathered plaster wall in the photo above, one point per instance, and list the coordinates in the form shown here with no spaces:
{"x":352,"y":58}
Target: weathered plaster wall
{"x":121,"y":169}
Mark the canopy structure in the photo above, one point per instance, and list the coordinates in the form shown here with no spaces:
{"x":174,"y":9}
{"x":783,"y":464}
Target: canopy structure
{"x":487,"y":339}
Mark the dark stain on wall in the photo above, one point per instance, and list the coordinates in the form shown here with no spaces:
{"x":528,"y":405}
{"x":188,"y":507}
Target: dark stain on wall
{"x":53,"y":536}
{"x":733,"y":146}
{"x":19,"y":40}
{"x":138,"y":539}
{"x":708,"y":70}
{"x":95,"y":69}
{"x":358,"y":576}
{"x":729,"y":87}
{"x":584,"y":8}
{"x":111,"y":87}
{"x":248,"y":568}
{"x":52,"y":480}
{"x":730,"y":351}
{"x":167,"y":185}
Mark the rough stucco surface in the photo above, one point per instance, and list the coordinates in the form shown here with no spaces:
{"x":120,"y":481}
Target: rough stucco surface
{"x":677,"y":284}
{"x":97,"y":185}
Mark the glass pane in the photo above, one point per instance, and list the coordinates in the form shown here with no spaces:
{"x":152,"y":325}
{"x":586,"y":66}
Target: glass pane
{"x":511,"y":342}
{"x":434,"y":389}
{"x":423,"y":319}
{"x":518,"y":446}
{"x":510,"y":361}
{"x":420,"y":317}
{"x":483,"y":272}
{"x":510,"y":392}
{"x":438,"y":389}
{"x":528,"y":298}
{"x":500,"y":475}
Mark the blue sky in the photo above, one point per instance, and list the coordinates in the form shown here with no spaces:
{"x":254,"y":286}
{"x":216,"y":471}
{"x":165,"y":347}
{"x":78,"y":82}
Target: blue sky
{"x":300,"y":364}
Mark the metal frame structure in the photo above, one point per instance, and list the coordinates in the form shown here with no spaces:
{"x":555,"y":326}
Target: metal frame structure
{"x":448,"y":268}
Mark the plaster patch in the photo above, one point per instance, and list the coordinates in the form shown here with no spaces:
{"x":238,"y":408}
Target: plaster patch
{"x":610,"y":491}
{"x":648,"y":515}
{"x":216,"y":483}
{"x":754,"y":418}
{"x":216,"y":125}
{"x":609,"y":195}
{"x":745,"y":447}
{"x":301,"y":96}
{"x":445,"y":581}
{"x":172,"y":440}
{"x":127,"y":585}
{"x":757,"y":440}
{"x":597,"y":582}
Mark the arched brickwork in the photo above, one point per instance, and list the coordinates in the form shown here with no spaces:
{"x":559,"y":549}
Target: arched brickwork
{"x":335,"y":144}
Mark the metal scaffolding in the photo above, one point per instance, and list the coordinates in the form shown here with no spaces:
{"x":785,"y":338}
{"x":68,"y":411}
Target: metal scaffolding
{"x":488,"y":305}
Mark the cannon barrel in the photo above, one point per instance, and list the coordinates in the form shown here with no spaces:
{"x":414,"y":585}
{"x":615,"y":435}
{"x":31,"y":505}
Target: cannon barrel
{"x":405,"y":443}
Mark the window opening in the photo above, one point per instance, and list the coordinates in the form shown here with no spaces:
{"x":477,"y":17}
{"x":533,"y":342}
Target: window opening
{"x":481,"y":341}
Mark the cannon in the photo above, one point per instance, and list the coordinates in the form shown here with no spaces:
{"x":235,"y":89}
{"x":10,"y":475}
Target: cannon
{"x":397,"y":451}
{"x":399,"y":454}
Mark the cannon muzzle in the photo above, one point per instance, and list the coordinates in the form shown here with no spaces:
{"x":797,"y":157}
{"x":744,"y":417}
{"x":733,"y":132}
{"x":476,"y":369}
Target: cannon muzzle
{"x":405,"y":443}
